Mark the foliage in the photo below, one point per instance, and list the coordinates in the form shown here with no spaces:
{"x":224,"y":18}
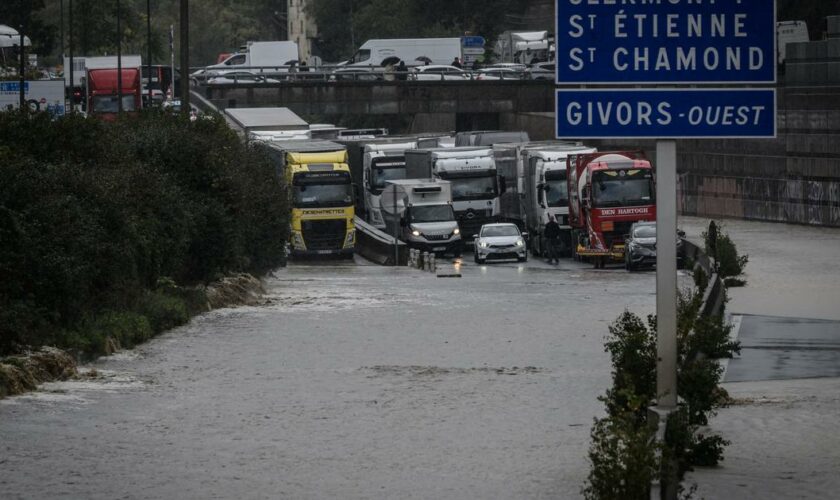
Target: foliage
{"x":719,"y":245}
{"x":94,"y":215}
{"x":623,"y":455}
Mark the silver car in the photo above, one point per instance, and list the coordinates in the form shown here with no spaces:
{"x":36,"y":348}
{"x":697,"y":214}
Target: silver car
{"x":500,"y":241}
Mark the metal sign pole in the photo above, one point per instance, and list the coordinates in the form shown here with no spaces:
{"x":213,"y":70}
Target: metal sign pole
{"x":666,"y":273}
{"x":396,"y":231}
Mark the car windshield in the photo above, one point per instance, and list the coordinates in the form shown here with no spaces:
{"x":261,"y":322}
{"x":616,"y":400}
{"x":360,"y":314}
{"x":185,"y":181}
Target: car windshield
{"x":473,"y":188}
{"x":491,"y":231}
{"x":645,"y":232}
{"x":432,"y":213}
{"x":622,"y":188}
{"x":360,"y":56}
{"x":331,"y":189}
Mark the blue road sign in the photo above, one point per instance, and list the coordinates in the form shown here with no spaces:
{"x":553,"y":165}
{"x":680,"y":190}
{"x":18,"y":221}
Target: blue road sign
{"x":472,"y":41}
{"x":665,"y":41}
{"x":666,"y":113}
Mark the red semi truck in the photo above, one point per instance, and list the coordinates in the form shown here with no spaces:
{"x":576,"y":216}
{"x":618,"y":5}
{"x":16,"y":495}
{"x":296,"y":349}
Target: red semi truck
{"x":103,"y":97}
{"x":608,"y":192}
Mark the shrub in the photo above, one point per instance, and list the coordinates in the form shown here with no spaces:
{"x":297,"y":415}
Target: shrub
{"x":720,"y":246}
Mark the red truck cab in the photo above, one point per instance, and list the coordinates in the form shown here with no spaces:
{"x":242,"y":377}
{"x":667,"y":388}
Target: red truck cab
{"x":103,"y":97}
{"x":608,"y":192}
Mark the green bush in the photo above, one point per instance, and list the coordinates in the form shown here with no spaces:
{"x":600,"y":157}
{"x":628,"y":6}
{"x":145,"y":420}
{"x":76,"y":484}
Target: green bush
{"x":163,"y":311}
{"x":93,"y":215}
{"x":720,"y":246}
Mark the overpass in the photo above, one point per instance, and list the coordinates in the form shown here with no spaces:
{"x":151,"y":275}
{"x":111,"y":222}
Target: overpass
{"x":450,"y":104}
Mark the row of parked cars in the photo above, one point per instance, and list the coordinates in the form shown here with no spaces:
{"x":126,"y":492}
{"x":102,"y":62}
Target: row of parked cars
{"x":432,"y":72}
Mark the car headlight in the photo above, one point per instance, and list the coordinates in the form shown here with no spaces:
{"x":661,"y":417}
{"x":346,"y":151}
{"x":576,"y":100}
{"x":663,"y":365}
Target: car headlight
{"x":520,"y":243}
{"x":456,"y":231}
{"x":415,"y":232}
{"x":483,"y":244}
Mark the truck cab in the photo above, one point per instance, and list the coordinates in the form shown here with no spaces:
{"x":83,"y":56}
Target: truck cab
{"x":320,"y":191}
{"x":103,"y":95}
{"x":608,"y":193}
{"x":476,"y":185}
{"x":383,"y":162}
{"x":420,"y":212}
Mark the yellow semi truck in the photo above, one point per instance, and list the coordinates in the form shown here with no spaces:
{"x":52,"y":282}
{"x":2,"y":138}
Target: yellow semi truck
{"x":320,"y":192}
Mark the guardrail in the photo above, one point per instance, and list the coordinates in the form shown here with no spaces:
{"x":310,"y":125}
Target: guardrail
{"x":714,"y":296}
{"x":378,"y":247}
{"x":262,"y":75}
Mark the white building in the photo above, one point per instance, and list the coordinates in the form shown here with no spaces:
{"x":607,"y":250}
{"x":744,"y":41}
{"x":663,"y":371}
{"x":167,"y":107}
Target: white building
{"x":302,"y":27}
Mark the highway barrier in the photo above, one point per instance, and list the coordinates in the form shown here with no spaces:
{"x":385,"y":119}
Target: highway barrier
{"x":378,"y":247}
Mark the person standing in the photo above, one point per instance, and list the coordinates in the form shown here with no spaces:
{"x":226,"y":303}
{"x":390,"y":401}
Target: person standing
{"x":552,"y":239}
{"x":457,"y":63}
{"x":402,"y":71}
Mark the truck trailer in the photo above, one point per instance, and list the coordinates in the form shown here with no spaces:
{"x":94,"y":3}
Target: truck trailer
{"x":320,"y":190}
{"x":268,"y":124}
{"x":419,"y":212}
{"x":608,"y":193}
{"x":535,"y":176}
{"x":476,"y":185}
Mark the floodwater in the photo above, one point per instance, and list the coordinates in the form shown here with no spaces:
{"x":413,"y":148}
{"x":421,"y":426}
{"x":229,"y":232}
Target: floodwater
{"x":355,"y":381}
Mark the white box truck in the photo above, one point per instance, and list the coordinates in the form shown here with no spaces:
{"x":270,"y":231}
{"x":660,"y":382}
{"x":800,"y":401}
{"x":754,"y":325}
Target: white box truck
{"x":476,"y":185}
{"x":414,"y":51}
{"x":419,"y":212}
{"x":535,"y":175}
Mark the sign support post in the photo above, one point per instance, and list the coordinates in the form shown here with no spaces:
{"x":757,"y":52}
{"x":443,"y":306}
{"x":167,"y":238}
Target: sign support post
{"x":666,"y":273}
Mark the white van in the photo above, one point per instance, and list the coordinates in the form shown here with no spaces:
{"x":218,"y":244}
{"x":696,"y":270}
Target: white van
{"x":259,"y":57}
{"x":414,"y":51}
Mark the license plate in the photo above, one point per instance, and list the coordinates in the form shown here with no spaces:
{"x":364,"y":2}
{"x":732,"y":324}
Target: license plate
{"x":439,"y":249}
{"x":324,"y":252}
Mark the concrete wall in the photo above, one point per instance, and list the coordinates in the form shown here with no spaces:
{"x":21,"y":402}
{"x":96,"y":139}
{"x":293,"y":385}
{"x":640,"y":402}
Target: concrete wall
{"x":794,"y":178}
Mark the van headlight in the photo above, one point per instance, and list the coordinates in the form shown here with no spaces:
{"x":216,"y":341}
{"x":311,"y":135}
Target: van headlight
{"x":416,"y":233}
{"x":456,"y":231}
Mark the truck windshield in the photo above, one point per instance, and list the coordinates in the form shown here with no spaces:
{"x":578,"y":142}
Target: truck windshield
{"x":387,"y":169}
{"x":622,"y":188}
{"x":432,"y":213}
{"x":328,"y":189}
{"x":109,"y":103}
{"x":556,"y":189}
{"x":473,"y":188}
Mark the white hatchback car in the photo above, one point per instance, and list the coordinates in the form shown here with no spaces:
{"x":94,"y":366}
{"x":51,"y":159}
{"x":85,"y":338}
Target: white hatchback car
{"x":500,"y":241}
{"x":438,"y":72}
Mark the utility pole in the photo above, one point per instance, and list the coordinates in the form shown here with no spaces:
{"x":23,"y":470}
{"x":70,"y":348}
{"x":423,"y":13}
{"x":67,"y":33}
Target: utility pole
{"x":61,"y":29}
{"x":119,"y":63}
{"x":22,"y":70}
{"x":185,"y":57}
{"x":149,"y":51}
{"x":70,"y":44}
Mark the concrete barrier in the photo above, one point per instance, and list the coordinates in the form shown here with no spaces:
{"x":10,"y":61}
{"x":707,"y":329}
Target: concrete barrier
{"x":378,"y":247}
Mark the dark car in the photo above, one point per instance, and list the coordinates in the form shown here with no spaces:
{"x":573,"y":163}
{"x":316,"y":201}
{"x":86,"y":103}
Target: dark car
{"x":640,"y":246}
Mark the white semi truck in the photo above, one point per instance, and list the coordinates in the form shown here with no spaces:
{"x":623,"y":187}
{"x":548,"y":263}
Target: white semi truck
{"x":419,"y":212}
{"x":535,"y":175}
{"x":373,"y":162}
{"x":476,"y":185}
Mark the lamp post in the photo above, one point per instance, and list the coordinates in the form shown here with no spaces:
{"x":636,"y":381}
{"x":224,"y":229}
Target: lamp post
{"x":70,"y":60}
{"x":21,"y":75}
{"x":119,"y":63}
{"x":185,"y":57}
{"x":149,"y":51}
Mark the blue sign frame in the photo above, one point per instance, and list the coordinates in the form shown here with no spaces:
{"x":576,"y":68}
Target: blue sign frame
{"x":603,"y":42}
{"x":665,"y":113}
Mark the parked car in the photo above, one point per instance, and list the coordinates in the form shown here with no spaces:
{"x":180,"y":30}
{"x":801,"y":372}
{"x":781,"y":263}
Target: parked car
{"x":237,"y":77}
{"x":351,"y":74}
{"x":640,"y":246}
{"x":499,"y":241}
{"x":439,"y":72}
{"x":501,"y":73}
{"x":540,"y":71}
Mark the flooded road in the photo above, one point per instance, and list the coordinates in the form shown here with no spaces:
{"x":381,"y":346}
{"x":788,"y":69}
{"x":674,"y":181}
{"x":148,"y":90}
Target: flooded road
{"x":355,"y":381}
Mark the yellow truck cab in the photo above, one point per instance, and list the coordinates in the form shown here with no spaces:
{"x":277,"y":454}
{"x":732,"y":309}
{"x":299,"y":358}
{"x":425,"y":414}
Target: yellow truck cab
{"x":320,"y":190}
